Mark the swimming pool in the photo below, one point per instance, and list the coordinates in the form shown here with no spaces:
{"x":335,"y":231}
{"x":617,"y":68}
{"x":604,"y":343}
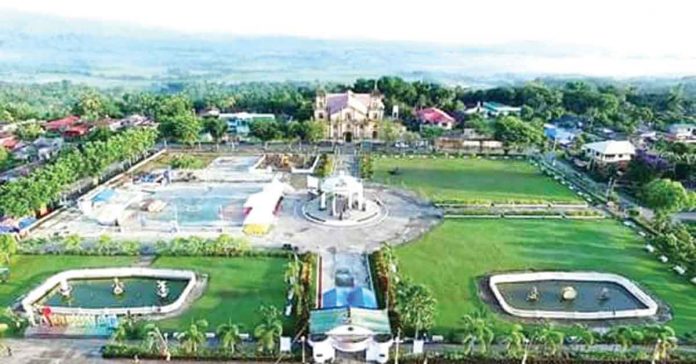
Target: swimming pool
{"x":201,"y":204}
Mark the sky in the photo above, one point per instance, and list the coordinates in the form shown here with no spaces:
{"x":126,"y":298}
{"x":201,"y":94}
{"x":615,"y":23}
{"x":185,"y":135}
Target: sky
{"x":636,"y":28}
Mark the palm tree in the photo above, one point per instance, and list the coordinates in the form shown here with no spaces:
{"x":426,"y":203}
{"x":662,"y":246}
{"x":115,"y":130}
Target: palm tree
{"x":229,"y":336}
{"x":72,"y":243}
{"x":153,"y":340}
{"x":293,"y":272}
{"x":583,"y":335}
{"x":665,"y":341}
{"x":104,"y":245}
{"x":477,"y":330}
{"x":515,"y":341}
{"x":625,"y":336}
{"x":269,"y":330}
{"x":416,"y":306}
{"x":194,"y":336}
{"x":549,"y":338}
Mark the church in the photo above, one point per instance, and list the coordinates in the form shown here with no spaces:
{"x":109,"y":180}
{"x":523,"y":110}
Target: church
{"x":349,"y":116}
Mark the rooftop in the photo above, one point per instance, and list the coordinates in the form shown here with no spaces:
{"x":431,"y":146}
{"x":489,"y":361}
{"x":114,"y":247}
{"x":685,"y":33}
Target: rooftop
{"x":323,"y":321}
{"x":612,"y":147}
{"x":434,"y":115}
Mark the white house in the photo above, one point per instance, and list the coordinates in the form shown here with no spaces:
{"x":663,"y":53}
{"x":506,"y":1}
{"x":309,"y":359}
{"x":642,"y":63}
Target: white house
{"x":610,"y":151}
{"x":683,"y":133}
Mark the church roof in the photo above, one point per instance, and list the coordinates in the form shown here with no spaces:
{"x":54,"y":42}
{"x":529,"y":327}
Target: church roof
{"x":339,"y":101}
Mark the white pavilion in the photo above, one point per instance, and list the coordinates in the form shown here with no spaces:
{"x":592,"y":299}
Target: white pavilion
{"x":346,"y":193}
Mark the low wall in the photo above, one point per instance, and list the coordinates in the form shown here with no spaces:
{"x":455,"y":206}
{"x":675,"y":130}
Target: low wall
{"x":309,"y":170}
{"x":643,"y":297}
{"x":107,"y":273}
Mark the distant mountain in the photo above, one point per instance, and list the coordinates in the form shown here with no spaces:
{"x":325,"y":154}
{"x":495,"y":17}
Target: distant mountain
{"x":39,"y":48}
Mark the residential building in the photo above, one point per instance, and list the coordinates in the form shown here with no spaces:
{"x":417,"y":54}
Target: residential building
{"x":349,"y":116}
{"x":492,"y":109}
{"x":238,"y":123}
{"x":559,"y":135}
{"x":8,"y":141}
{"x":433,"y":116}
{"x":41,"y":149}
{"x":685,"y":133}
{"x":60,"y":125}
{"x":610,"y":151}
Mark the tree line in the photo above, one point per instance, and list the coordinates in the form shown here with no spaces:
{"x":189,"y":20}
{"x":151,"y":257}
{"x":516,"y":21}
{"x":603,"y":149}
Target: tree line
{"x":45,"y":185}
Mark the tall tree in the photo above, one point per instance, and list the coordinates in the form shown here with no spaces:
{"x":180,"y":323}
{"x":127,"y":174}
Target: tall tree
{"x":515,"y":133}
{"x":416,"y":306}
{"x":217,"y":128}
{"x":666,"y":196}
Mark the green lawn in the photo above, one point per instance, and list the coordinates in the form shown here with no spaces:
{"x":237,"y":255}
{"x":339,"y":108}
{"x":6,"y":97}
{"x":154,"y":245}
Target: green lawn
{"x":237,"y":287}
{"x":451,"y":258}
{"x":27,"y":271}
{"x":469,"y":180}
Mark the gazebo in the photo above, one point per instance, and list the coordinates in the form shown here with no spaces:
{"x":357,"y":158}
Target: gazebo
{"x":346,"y":193}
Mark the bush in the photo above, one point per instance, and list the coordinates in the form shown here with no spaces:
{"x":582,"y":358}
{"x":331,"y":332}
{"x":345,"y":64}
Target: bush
{"x":186,"y":161}
{"x":325,"y":166}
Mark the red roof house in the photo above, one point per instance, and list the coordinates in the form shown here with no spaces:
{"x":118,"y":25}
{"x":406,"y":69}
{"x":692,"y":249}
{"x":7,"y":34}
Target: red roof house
{"x":435,"y":117}
{"x":60,"y":125}
{"x":8,"y":141}
{"x":75,"y":131}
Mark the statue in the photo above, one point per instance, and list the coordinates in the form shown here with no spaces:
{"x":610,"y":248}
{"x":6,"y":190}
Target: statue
{"x":117,"y":287}
{"x":604,"y":294}
{"x":533,"y":295}
{"x":162,"y":289}
{"x":65,"y":289}
{"x":569,"y":293}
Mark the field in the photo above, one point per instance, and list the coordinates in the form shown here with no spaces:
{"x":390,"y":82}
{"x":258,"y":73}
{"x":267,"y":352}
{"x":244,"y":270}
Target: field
{"x":473,"y":180}
{"x":27,"y":271}
{"x":237,"y":287}
{"x":451,"y":258}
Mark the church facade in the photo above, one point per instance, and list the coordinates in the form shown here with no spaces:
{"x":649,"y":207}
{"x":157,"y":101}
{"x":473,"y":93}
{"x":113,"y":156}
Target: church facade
{"x":349,"y":116}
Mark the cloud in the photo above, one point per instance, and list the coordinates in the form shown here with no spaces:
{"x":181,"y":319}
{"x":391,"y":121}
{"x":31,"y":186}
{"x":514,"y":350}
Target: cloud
{"x":623,"y":27}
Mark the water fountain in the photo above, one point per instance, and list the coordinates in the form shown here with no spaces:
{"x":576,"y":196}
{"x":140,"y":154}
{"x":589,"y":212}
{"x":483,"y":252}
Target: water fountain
{"x":162,"y":289}
{"x":65,"y":290}
{"x":533,"y":294}
{"x":117,"y":287}
{"x":568,"y":293}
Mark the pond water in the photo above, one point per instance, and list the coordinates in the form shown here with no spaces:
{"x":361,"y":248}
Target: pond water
{"x":202,"y":204}
{"x":98,"y":293}
{"x":588,"y":299}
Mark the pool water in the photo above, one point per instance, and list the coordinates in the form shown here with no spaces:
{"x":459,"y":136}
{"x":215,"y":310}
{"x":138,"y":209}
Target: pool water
{"x":588,"y":296}
{"x":202,"y":203}
{"x":98,"y":293}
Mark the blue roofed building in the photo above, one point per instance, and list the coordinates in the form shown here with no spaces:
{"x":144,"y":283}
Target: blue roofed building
{"x":559,"y":135}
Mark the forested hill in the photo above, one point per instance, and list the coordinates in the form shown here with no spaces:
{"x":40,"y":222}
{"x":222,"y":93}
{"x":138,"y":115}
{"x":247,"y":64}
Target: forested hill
{"x":40,"y":48}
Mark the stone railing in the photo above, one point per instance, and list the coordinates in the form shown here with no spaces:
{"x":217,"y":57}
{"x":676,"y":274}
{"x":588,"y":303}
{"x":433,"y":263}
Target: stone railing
{"x":107,"y":273}
{"x":644,"y":298}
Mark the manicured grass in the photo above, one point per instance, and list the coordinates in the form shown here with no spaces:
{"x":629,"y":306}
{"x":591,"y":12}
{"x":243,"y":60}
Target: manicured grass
{"x":237,"y":287}
{"x":28,"y":271}
{"x":451,"y":259}
{"x":468,"y":180}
